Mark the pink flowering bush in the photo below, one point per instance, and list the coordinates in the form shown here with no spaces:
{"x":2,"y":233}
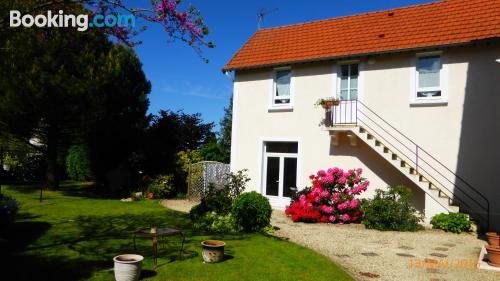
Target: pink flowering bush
{"x":332,"y":197}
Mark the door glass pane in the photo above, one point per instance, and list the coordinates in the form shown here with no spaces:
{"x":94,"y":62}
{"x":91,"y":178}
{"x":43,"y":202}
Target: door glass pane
{"x":354,"y":70}
{"x":282,"y":147}
{"x":344,"y":94}
{"x":273,"y":174}
{"x":344,"y":70}
{"x":354,"y":94}
{"x":289,"y":177}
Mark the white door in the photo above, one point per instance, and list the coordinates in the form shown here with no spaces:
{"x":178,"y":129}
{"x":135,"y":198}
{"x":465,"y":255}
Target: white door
{"x":280,"y":169}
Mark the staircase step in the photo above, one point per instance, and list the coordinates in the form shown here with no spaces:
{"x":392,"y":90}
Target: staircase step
{"x":422,"y":179}
{"x":404,"y":165}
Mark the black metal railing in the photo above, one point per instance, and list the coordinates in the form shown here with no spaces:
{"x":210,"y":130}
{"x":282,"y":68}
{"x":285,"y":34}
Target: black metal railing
{"x":355,"y":112}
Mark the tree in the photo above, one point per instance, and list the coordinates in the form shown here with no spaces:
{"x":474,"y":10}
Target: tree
{"x":225,"y":131}
{"x":171,"y":132}
{"x":186,"y":24}
{"x":61,"y":85}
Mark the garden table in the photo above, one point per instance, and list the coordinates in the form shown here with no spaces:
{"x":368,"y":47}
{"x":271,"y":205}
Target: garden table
{"x":159,"y":235}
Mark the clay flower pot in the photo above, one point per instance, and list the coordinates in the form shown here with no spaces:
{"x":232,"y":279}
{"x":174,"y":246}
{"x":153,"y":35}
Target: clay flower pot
{"x":151,"y":195}
{"x":493,"y":256}
{"x":128,"y":267}
{"x":330,"y":103}
{"x":213,"y":251}
{"x":493,"y":239}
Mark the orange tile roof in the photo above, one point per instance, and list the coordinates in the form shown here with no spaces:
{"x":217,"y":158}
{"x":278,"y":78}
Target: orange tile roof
{"x":433,"y":24}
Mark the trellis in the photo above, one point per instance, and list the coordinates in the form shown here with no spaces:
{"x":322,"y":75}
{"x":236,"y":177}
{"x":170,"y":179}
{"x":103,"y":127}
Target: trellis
{"x":204,"y":173}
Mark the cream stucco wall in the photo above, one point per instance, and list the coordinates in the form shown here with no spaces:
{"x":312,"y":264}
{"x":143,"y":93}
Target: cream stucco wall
{"x":386,"y":83}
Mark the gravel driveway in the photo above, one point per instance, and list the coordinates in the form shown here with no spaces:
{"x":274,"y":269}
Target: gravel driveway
{"x":430,"y":255}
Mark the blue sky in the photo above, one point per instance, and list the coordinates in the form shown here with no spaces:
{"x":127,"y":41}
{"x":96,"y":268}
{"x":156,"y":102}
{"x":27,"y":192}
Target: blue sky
{"x":181,"y":80}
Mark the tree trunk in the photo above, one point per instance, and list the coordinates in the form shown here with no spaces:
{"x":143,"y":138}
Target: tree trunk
{"x":52,"y":173}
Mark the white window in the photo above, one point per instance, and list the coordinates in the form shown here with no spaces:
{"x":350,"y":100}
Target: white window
{"x":348,"y":76}
{"x":428,"y":80}
{"x":282,"y":94}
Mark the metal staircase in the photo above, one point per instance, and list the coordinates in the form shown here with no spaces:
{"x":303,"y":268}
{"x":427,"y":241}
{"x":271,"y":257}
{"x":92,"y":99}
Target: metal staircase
{"x":439,"y":182}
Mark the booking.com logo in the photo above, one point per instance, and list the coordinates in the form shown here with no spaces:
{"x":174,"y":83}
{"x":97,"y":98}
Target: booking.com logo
{"x":80,"y":22}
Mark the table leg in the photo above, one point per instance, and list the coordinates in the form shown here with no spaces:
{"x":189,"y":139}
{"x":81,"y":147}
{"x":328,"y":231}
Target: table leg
{"x":182,"y":245}
{"x":155,"y":251}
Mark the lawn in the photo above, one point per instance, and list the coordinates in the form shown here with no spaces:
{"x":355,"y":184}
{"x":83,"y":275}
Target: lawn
{"x":73,"y":235}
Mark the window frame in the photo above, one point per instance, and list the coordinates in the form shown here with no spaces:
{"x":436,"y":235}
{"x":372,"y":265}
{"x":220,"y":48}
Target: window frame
{"x":273,"y":106}
{"x":339,"y":78}
{"x":443,"y":81}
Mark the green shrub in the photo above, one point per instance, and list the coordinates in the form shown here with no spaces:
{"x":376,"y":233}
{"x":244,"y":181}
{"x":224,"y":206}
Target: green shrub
{"x":162,"y":186}
{"x":220,"y":199}
{"x":215,"y":200}
{"x":391,"y":210}
{"x":78,"y":164}
{"x":252,"y":211}
{"x":8,"y":210}
{"x":214,"y":222}
{"x":453,"y":222}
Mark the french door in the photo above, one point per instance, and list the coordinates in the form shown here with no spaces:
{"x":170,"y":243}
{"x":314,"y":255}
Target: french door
{"x":280,"y":169}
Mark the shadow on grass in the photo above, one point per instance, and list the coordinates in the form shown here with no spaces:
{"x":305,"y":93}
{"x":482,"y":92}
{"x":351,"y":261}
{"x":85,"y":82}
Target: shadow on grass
{"x":21,"y":234}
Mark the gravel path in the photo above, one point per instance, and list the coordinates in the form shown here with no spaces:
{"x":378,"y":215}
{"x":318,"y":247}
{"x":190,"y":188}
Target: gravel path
{"x":429,"y":255}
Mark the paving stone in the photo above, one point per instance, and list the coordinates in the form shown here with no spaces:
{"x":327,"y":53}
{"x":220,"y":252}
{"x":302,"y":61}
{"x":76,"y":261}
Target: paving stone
{"x":343,"y":256}
{"x":405,"y":255}
{"x":369,"y":274}
{"x":449,"y":245}
{"x":439,"y":255}
{"x":370,"y":254}
{"x":443,"y":249}
{"x":405,"y":248}
{"x":434,"y":270}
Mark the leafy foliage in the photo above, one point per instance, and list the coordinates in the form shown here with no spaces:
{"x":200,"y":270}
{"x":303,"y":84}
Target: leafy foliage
{"x":213,"y":151}
{"x":220,"y":199}
{"x":162,"y":186}
{"x":391,"y":210}
{"x":216,"y":223}
{"x":78,"y":164}
{"x":252,"y":211}
{"x":332,"y":198}
{"x":8,"y":210}
{"x":225,"y":131}
{"x":453,"y":222}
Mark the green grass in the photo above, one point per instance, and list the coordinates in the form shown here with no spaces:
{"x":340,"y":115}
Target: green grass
{"x":73,"y":235}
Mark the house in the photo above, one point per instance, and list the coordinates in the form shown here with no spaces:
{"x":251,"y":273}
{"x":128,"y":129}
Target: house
{"x":419,"y":91}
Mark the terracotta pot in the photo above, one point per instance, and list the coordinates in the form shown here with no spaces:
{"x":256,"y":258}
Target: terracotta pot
{"x":493,"y":239}
{"x":128,"y":267}
{"x":493,"y":256}
{"x":328,"y":104}
{"x":213,"y":251}
{"x":151,"y":195}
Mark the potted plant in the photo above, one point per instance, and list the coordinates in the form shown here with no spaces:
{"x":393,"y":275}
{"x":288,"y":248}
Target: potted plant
{"x":493,"y":255}
{"x":493,"y":239}
{"x":128,"y":267}
{"x":151,"y":195}
{"x":328,"y":102}
{"x":213,"y":251}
